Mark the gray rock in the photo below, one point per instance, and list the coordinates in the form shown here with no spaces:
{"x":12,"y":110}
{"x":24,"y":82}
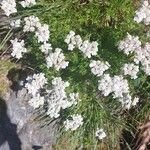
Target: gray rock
{"x":19,"y":130}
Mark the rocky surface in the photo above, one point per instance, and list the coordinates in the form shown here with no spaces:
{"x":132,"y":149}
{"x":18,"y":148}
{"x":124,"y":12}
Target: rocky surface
{"x":18,"y":128}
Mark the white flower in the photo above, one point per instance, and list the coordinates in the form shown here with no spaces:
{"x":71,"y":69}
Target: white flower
{"x":142,"y":56}
{"x":35,"y":83}
{"x":36,"y":101}
{"x":9,"y":7}
{"x":46,"y":48}
{"x":27,"y":3}
{"x":42,"y":33}
{"x":73,"y":40}
{"x":73,"y":123}
{"x":57,"y":98}
{"x":15,"y":23}
{"x":74,"y":98}
{"x":98,"y":67}
{"x":131,"y":69}
{"x":118,"y":87}
{"x":31,"y":23}
{"x":89,"y":48}
{"x":57,"y":59}
{"x":135,"y":101}
{"x":105,"y":84}
{"x":18,"y":48}
{"x":100,"y":134}
{"x":129,"y":44}
{"x":143,"y":13}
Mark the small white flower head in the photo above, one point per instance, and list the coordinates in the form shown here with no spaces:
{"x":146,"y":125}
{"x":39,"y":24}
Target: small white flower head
{"x":31,"y":23}
{"x":42,"y":33}
{"x":27,"y":3}
{"x":98,"y":67}
{"x":18,"y":48}
{"x":46,"y":48}
{"x":89,"y":48}
{"x":105,"y":84}
{"x":36,"y":101}
{"x":74,"y":98}
{"x":120,"y":86}
{"x":57,"y":98}
{"x":35,"y":83}
{"x":143,"y":13}
{"x":100,"y":134}
{"x":73,"y":40}
{"x":131,"y":69}
{"x":74,"y":123}
{"x":143,"y":56}
{"x":126,"y":101}
{"x":9,"y":7}
{"x":15,"y":23}
{"x":135,"y":101}
{"x":57,"y":59}
{"x":130,"y":44}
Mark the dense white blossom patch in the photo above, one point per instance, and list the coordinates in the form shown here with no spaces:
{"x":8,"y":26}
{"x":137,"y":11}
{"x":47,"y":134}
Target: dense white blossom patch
{"x":131,"y":69}
{"x":142,"y":55}
{"x":36,"y":101}
{"x":89,"y":48}
{"x":129,"y":44}
{"x":8,"y":6}
{"x":27,"y":3}
{"x":57,"y":59}
{"x":117,"y":86}
{"x":46,"y":48}
{"x":35,"y":83}
{"x":15,"y":23}
{"x":98,"y":67}
{"x":57,"y":98}
{"x":73,"y":40}
{"x":18,"y":48}
{"x":31,"y":23}
{"x":74,"y":123}
{"x":42,"y":33}
{"x":100,"y":134}
{"x":143,"y":13}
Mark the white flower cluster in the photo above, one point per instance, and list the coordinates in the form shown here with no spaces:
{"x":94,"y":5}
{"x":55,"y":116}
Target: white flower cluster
{"x":57,"y":98}
{"x":31,"y":23}
{"x":9,"y":7}
{"x":42,"y":33}
{"x":129,"y":44}
{"x":142,"y":55}
{"x":73,"y":123}
{"x":89,"y":48}
{"x":131,"y":69}
{"x":143,"y":13}
{"x":27,"y":3}
{"x":73,"y":40}
{"x":98,"y":67}
{"x":57,"y":59}
{"x":15,"y":23}
{"x":100,"y":134}
{"x":34,"y":84}
{"x":46,"y":48}
{"x":18,"y":48}
{"x":36,"y":101}
{"x":117,"y":86}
